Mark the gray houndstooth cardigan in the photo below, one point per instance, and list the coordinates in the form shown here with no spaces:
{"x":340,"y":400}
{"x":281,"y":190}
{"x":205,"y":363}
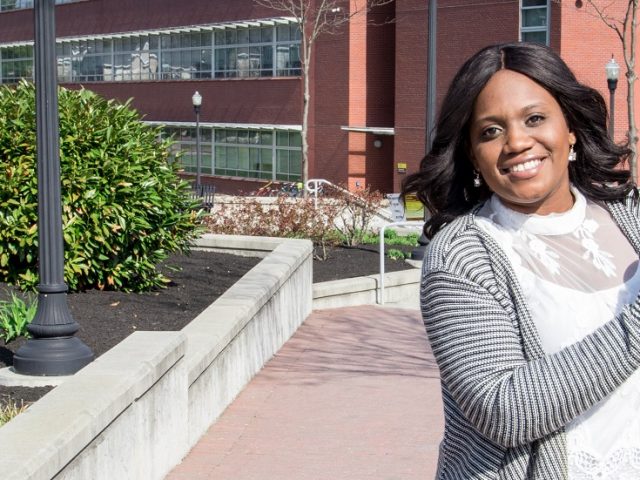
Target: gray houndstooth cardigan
{"x":505,"y":401}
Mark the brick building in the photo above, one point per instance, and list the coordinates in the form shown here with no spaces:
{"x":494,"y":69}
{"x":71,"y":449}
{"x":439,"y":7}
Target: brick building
{"x":368,"y":82}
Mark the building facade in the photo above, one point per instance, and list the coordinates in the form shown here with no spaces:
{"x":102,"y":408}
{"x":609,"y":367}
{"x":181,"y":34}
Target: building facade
{"x":368,"y":81}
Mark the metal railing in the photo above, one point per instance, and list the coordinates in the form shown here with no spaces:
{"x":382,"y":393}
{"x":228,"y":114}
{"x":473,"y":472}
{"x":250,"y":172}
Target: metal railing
{"x":314,"y":186}
{"x":205,"y":193}
{"x":407,"y":223}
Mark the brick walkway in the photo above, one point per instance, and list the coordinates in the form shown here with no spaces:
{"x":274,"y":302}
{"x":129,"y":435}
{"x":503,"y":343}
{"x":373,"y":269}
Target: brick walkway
{"x":353,"y":395}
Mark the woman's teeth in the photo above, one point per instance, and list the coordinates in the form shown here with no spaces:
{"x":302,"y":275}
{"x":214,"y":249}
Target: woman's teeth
{"x":523,"y":167}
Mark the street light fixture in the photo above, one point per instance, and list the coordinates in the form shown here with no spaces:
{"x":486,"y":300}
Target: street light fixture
{"x":613,"y":70}
{"x":52,"y":350}
{"x":196,"y":99}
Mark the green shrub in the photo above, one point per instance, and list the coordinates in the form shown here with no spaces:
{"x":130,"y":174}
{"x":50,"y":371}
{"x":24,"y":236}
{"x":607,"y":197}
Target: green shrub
{"x":396,"y":254}
{"x":15,"y":315}
{"x":124,"y":207}
{"x":391,"y":237}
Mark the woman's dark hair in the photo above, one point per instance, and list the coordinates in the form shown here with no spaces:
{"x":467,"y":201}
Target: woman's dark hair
{"x":444,"y":183}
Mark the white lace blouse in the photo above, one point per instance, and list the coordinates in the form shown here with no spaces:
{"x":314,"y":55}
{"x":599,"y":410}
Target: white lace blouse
{"x":577,"y":270}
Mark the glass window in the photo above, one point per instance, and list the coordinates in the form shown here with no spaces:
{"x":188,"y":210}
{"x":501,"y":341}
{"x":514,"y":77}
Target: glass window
{"x":243,"y":158}
{"x":232,"y":157}
{"x":537,"y":37}
{"x":267,"y":34}
{"x":266,"y":138}
{"x":282,"y":139}
{"x":534,"y":23}
{"x":254,"y":35}
{"x":240,"y":152}
{"x":7,"y":5}
{"x":242,"y":35}
{"x":534,"y":18}
{"x":239,"y":52}
{"x":295,"y":139}
{"x":283,"y":33}
{"x":221,"y":157}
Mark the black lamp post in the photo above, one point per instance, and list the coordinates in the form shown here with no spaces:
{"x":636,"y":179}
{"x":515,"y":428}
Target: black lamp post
{"x":196,"y":99}
{"x":613,"y":70}
{"x":52,"y":350}
{"x":419,"y":252}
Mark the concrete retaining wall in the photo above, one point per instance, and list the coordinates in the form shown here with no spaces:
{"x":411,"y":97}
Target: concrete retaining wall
{"x":138,"y":409}
{"x":401,"y":287}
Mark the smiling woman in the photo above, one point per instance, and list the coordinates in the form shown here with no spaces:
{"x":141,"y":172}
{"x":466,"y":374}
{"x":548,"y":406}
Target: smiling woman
{"x":520,"y":144}
{"x":530,"y":284}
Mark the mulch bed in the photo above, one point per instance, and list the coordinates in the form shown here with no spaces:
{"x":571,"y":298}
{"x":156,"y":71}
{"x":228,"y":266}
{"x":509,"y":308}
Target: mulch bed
{"x":106,"y":318}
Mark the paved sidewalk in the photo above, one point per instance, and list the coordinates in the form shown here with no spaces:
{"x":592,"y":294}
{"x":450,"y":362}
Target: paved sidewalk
{"x":353,"y":395}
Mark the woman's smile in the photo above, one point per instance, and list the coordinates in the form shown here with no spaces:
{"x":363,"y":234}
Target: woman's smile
{"x":524,"y":169}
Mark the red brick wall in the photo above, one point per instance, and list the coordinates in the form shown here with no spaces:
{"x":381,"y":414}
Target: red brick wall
{"x":586,"y":45}
{"x":410,"y":85}
{"x":276,"y":100}
{"x":352,"y":83}
{"x":380,"y":96}
{"x":329,"y":82}
{"x":357,"y":99}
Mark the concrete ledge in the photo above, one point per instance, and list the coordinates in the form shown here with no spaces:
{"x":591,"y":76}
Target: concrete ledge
{"x":233,"y":338}
{"x":398,"y":287}
{"x":139,"y":408}
{"x":239,"y":244}
{"x":81,"y":423}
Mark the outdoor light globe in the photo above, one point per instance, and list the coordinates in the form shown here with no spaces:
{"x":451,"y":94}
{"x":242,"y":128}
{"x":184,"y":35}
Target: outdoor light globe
{"x":613,"y":69}
{"x":196,"y":99}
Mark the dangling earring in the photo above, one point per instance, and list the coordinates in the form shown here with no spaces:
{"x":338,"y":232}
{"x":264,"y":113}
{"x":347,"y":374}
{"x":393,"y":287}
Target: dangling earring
{"x":572,"y":154}
{"x":477,"y":179}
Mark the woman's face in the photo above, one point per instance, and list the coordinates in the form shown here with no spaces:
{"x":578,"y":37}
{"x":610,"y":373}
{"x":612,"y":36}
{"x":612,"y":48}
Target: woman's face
{"x":520,"y":144}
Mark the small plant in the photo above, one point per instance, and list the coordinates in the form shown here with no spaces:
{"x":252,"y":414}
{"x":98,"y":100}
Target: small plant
{"x":396,"y":254}
{"x":9,"y":410}
{"x":356,"y":214}
{"x":15,"y":315}
{"x":391,"y":237}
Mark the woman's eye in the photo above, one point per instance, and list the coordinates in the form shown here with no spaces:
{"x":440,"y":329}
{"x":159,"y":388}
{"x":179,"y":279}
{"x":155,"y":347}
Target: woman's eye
{"x":490,"y":132}
{"x":535,"y":119}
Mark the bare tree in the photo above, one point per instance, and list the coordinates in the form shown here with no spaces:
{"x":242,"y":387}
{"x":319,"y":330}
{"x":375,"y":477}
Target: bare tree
{"x":316,"y":18}
{"x":626,"y":29}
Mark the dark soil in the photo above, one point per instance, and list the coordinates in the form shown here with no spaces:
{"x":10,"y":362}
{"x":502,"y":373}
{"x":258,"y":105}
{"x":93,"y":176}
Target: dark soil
{"x":106,"y":318}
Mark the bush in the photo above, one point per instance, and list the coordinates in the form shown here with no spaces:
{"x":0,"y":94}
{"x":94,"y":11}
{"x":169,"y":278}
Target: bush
{"x":357,"y":212}
{"x":124,"y":207}
{"x":285,"y":217}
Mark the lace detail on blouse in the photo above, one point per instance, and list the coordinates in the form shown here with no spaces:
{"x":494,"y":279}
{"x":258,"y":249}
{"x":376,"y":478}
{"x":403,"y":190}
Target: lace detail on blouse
{"x":577,"y":271}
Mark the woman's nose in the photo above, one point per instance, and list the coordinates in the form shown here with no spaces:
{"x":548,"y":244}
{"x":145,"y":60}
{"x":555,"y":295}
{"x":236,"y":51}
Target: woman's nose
{"x":517,"y":140}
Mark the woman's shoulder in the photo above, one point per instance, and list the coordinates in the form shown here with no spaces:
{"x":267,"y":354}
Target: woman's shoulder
{"x":457,"y":242}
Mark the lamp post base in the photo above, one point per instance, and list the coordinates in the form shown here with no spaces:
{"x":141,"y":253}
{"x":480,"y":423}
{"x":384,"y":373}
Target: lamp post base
{"x":52,"y":356}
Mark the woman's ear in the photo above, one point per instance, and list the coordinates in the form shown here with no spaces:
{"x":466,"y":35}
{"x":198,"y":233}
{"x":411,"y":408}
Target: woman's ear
{"x":572,"y":138}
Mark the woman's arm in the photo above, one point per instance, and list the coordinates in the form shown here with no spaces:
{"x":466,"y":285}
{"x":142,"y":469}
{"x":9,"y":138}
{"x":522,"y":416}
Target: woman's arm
{"x":509,"y":399}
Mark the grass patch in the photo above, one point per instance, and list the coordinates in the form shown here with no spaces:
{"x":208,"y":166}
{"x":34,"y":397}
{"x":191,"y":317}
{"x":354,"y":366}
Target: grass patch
{"x":10,"y":410}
